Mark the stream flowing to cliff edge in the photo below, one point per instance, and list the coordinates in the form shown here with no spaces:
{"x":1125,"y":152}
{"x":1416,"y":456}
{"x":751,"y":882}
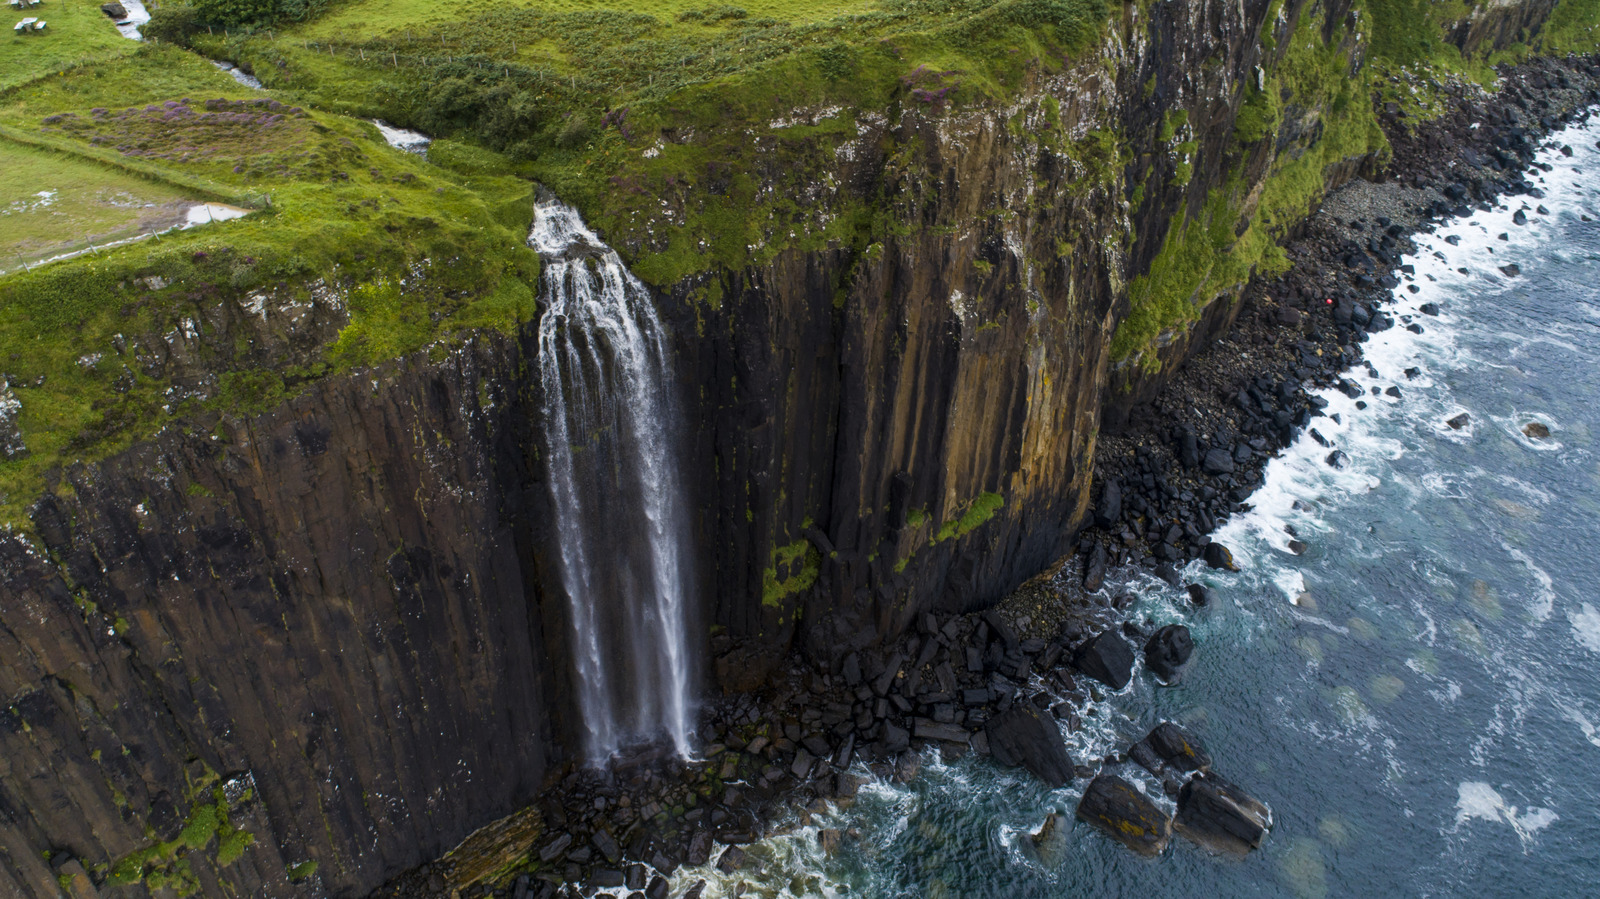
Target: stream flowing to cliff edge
{"x":611,"y":433}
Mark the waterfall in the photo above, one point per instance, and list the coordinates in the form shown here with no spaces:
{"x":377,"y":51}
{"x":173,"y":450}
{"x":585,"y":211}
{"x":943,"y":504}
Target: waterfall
{"x":611,"y":431}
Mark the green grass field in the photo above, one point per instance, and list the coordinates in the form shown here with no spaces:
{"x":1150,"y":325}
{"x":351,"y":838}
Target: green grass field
{"x":374,"y":17}
{"x":77,"y":31}
{"x":53,"y":203}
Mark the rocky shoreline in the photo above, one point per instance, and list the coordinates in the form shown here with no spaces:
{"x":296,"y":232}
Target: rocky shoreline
{"x":996,"y":682}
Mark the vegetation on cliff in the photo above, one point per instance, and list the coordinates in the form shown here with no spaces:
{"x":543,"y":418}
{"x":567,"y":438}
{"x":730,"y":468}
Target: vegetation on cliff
{"x":108,"y":347}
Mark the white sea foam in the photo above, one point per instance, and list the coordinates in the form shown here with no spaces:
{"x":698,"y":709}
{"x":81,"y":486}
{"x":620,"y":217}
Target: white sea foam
{"x":1586,"y":626}
{"x":1477,"y":799}
{"x":1544,"y":598}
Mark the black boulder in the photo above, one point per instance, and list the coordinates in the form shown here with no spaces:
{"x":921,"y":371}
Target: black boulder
{"x":1167,"y":650}
{"x":1027,"y":737}
{"x":1107,"y":659}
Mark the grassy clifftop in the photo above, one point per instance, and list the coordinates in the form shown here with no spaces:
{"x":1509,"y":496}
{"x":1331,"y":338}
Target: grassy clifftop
{"x":114,"y":344}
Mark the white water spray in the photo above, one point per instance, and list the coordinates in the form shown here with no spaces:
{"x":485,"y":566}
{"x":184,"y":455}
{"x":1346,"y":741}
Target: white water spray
{"x":610,"y":429}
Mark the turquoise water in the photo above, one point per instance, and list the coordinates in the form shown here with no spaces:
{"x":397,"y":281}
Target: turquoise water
{"x":1416,"y":696}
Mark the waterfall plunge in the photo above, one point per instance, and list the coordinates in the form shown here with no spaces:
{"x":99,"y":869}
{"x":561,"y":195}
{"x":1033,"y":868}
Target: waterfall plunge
{"x":611,"y":436}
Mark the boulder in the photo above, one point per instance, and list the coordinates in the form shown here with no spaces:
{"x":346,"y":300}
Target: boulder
{"x":699,"y":848}
{"x":1027,"y":737}
{"x":1167,"y":650}
{"x":116,"y":11}
{"x":1220,"y":816}
{"x":1106,"y":658}
{"x":1109,"y":509}
{"x":1218,"y":461}
{"x":1112,"y":805}
{"x":1178,"y":748}
{"x":1189,"y":445}
{"x":732,"y":859}
{"x":1094,"y":571}
{"x":1219,"y":556}
{"x":1458,"y":422}
{"x":1199,"y":594}
{"x":1536,"y":430}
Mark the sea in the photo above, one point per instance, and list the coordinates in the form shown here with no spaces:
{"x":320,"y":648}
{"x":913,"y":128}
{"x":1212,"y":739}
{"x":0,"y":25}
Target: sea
{"x":1415,"y":694}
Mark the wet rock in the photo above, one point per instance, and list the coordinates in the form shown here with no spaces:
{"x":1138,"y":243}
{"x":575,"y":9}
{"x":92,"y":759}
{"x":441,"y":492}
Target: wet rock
{"x":1168,"y":649}
{"x":116,"y":11}
{"x":1219,"y":556}
{"x":1106,"y":658}
{"x":607,"y":877}
{"x":732,"y":859}
{"x":658,"y":888}
{"x":1338,"y":459}
{"x":1114,"y":806}
{"x":1511,"y":271}
{"x":699,"y":849}
{"x":1027,"y":737}
{"x":1519,"y":217}
{"x":1458,"y":422}
{"x":1050,"y":844}
{"x":895,"y":738}
{"x":1536,"y":430}
{"x":696,"y":891}
{"x":1200,"y":594}
{"x":1178,"y":748}
{"x":1429,"y":309}
{"x":1094,"y":572}
{"x":1221,"y":816}
{"x":907,"y":766}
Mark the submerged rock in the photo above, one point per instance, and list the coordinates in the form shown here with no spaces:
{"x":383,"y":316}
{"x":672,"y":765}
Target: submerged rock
{"x":1028,"y":737}
{"x":1114,"y":806}
{"x":1107,"y":659}
{"x":1458,"y":422}
{"x":1221,"y":816}
{"x":1050,"y":844}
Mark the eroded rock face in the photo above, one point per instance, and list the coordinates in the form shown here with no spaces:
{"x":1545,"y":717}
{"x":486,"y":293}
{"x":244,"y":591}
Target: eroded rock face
{"x":338,"y":599}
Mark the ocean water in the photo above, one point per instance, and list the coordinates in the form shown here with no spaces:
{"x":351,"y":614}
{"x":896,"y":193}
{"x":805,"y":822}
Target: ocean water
{"x":1417,"y":696}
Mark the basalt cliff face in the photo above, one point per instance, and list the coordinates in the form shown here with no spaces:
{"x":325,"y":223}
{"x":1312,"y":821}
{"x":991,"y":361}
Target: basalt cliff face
{"x":330,"y":626}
